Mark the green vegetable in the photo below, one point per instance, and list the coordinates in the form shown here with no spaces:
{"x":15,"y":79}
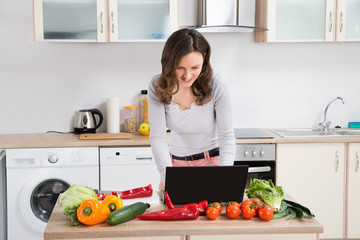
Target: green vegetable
{"x":127,"y":213}
{"x":266,"y":191}
{"x":307,"y":213}
{"x":293,"y":210}
{"x":71,"y":199}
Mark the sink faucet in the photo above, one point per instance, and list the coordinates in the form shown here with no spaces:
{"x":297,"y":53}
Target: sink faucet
{"x":326,"y":124}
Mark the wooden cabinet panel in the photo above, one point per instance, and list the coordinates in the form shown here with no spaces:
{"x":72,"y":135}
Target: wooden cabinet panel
{"x":353,"y":191}
{"x":313,"y":174}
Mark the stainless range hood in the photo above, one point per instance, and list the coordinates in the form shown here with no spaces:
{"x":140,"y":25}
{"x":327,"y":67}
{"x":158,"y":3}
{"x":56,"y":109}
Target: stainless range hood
{"x":225,"y":16}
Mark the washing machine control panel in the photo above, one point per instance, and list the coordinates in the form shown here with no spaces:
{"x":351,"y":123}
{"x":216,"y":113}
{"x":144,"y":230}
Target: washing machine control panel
{"x":53,"y":158}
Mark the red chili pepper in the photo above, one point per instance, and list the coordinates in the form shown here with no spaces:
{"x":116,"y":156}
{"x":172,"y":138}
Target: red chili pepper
{"x":203,"y":205}
{"x":188,"y":211}
{"x":137,"y":192}
{"x":101,"y":196}
{"x":115,"y":194}
{"x":168,"y":201}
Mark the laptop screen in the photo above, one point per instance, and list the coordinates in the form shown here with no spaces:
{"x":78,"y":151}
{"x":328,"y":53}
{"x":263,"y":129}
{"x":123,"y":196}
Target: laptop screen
{"x":212,"y":183}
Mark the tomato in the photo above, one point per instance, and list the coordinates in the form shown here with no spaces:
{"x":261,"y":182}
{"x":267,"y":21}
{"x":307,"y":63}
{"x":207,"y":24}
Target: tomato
{"x":212,"y":212}
{"x":218,"y":206}
{"x":258,"y":204}
{"x":246,"y":203}
{"x":266,"y":213}
{"x":233,"y":210}
{"x":248,"y":211}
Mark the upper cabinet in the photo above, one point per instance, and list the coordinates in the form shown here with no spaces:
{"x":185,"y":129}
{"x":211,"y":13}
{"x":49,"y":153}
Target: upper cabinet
{"x":104,"y":20}
{"x":307,"y":20}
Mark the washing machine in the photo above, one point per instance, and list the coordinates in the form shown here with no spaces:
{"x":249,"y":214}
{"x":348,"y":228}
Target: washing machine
{"x":36,"y":177}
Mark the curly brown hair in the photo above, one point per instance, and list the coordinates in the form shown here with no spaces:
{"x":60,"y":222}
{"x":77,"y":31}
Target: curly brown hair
{"x":180,"y":43}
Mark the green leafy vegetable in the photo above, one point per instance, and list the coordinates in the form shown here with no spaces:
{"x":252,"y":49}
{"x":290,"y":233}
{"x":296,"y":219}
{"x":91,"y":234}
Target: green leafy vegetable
{"x":293,"y":210}
{"x":266,"y":191}
{"x":71,"y":199}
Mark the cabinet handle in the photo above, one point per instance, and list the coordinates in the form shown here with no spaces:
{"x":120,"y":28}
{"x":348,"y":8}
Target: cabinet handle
{"x":336,"y":161}
{"x":330,"y":22}
{"x":101,"y":23}
{"x":112,"y":22}
{"x":341,"y":21}
{"x":357,"y":162}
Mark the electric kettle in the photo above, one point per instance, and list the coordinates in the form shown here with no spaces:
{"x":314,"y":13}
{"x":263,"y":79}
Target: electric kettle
{"x":85,"y":121}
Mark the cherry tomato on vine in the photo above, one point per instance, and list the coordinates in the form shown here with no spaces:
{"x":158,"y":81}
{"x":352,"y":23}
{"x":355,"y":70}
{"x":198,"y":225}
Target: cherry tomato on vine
{"x":258,"y":204}
{"x":266,"y":213}
{"x":218,"y":206}
{"x":246,"y":203}
{"x":233,"y":210}
{"x":248,"y":211}
{"x":212,"y":212}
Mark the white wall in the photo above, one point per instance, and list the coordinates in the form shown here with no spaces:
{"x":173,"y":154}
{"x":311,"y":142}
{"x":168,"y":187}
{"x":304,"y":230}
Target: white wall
{"x":272,"y":85}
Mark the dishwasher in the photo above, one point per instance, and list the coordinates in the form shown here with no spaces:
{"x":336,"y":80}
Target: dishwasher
{"x":124,"y":168}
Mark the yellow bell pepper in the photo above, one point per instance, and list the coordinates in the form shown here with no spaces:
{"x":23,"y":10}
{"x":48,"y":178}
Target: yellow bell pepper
{"x":113,"y":202}
{"x":92,"y":212}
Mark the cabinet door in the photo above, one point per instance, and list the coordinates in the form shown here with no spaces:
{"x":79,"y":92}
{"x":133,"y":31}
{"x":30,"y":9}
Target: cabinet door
{"x":295,"y":21}
{"x":348,"y":23}
{"x":139,"y":20}
{"x":70,"y":20}
{"x":313,"y":174}
{"x":353,"y":194}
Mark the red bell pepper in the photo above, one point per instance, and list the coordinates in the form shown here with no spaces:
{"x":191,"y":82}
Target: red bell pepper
{"x":203,"y":205}
{"x":168,"y":201}
{"x":146,"y":191}
{"x":188,"y":211}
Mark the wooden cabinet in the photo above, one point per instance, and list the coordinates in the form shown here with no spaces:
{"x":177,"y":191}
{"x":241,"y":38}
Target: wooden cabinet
{"x":353,"y":191}
{"x":314,"y":175}
{"x":104,"y":21}
{"x":308,"y":21}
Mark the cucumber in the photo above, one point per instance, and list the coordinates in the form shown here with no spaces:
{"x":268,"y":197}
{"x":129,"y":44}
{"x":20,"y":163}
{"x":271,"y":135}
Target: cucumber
{"x":127,"y":213}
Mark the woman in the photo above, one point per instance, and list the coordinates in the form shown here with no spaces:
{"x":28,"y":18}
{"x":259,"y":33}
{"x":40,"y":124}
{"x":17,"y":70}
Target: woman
{"x":191,"y":101}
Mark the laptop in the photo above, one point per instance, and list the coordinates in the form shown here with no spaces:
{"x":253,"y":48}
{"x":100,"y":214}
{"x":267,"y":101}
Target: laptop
{"x":213,"y":183}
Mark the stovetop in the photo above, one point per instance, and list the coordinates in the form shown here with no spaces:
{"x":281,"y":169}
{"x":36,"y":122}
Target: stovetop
{"x":250,"y":133}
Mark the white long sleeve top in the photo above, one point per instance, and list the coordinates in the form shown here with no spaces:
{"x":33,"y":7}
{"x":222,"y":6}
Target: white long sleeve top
{"x":193,"y":130}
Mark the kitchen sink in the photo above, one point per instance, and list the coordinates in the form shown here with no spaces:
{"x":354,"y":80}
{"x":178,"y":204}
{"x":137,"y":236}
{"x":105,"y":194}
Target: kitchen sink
{"x":301,"y":132}
{"x":309,"y":132}
{"x":348,"y":132}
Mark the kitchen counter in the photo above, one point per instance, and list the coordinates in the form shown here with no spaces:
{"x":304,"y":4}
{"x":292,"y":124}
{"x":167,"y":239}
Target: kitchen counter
{"x":43,"y":140}
{"x":59,"y":227}
{"x":40,"y":140}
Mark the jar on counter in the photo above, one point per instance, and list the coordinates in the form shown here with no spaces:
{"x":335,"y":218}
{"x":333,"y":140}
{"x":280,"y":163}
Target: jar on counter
{"x":144,"y":114}
{"x":130,"y":118}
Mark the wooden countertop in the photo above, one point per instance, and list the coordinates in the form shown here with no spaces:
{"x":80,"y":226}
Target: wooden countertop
{"x":43,"y":140}
{"x":59,"y":227}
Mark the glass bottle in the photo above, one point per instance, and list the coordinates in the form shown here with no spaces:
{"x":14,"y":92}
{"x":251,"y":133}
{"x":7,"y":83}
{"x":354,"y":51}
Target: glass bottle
{"x":144,"y":114}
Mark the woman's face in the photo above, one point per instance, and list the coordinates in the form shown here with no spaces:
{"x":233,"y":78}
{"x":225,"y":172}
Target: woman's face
{"x":189,"y":69}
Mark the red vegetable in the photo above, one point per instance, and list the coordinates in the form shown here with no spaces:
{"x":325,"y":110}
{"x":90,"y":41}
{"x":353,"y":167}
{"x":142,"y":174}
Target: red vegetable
{"x":203,"y":205}
{"x":266,"y":213}
{"x":188,"y":211}
{"x":168,"y":201}
{"x":102,"y":196}
{"x":212,"y":212}
{"x":146,"y":191}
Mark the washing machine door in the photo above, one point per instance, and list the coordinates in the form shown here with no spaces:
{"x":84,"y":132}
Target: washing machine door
{"x":44,"y":197}
{"x":39,"y":195}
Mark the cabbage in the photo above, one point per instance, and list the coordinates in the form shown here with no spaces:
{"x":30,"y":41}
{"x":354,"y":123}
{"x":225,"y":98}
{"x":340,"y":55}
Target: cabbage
{"x":266,"y":191}
{"x":71,"y":199}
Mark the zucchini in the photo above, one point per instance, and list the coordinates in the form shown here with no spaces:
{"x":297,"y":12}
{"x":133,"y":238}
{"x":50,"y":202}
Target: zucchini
{"x":127,"y":213}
